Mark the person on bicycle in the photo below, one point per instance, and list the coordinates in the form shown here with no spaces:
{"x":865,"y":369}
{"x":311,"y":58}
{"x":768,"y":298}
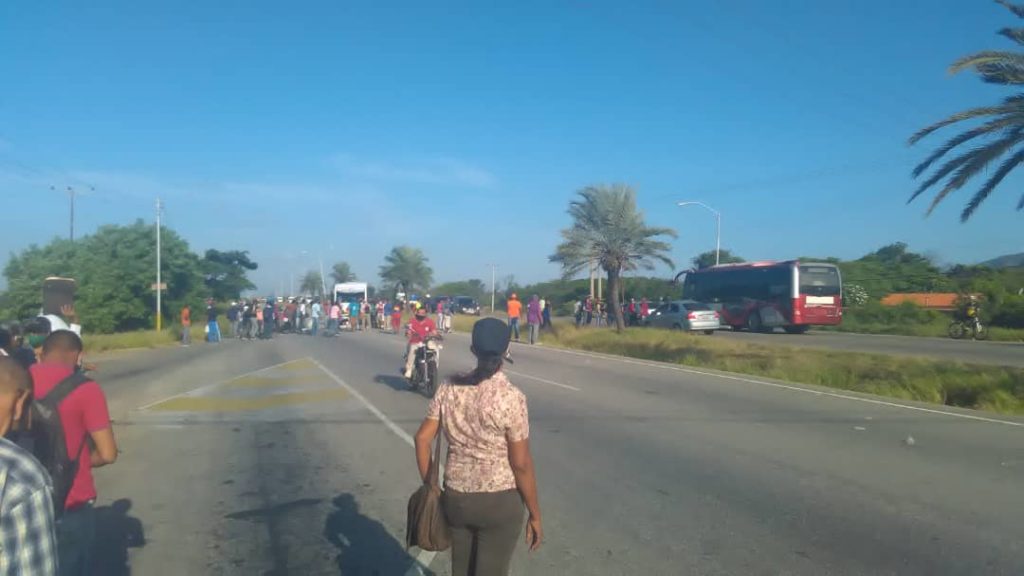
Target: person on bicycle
{"x":419,"y":329}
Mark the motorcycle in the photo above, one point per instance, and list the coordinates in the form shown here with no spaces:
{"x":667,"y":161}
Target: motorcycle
{"x":424,"y":372}
{"x":961,"y":328}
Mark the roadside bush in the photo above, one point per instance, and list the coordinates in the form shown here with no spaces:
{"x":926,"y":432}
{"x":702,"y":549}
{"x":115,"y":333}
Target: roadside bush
{"x":904,"y":314}
{"x":1010,"y":313}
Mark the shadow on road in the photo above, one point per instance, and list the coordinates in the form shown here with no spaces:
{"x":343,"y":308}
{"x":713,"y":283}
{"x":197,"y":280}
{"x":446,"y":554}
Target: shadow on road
{"x":395,"y":382}
{"x":116,"y":532}
{"x":365,"y":548}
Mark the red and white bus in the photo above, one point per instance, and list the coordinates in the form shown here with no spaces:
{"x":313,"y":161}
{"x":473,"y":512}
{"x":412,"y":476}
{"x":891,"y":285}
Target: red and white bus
{"x":762,"y":296}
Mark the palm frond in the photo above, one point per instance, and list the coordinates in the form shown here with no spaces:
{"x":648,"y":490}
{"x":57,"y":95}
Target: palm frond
{"x":1015,"y":34}
{"x":1016,"y":119}
{"x":1004,"y":169}
{"x":939,"y":174}
{"x":978,"y":159}
{"x":979,"y":58}
{"x":959,"y":117}
{"x":1002,"y":73}
{"x":1017,"y":9}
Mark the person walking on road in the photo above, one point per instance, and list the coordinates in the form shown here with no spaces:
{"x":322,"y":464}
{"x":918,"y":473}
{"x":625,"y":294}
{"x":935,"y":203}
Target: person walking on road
{"x":28,"y":537}
{"x":186,"y":325}
{"x":545,"y":313}
{"x":88,"y":435}
{"x":396,"y":319}
{"x":317,"y":312}
{"x":489,"y":472}
{"x":212,"y":329}
{"x":515,"y":310}
{"x":534,"y":318}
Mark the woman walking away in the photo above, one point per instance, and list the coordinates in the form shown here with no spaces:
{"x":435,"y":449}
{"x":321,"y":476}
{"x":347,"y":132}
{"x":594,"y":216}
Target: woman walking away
{"x":489,"y":472}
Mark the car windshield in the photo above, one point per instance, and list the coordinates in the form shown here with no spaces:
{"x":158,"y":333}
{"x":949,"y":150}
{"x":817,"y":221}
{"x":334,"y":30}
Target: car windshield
{"x":696,"y":306}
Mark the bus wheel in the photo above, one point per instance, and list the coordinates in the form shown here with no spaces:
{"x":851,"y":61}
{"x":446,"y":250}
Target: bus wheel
{"x":754,"y":322}
{"x":796,"y":329}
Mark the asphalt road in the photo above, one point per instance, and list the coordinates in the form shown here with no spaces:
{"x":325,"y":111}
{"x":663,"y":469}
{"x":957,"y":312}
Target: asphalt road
{"x":294,"y":457}
{"x":968,"y":351}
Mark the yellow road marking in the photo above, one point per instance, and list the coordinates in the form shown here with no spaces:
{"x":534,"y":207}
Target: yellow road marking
{"x":271,"y":382}
{"x":240,"y":404}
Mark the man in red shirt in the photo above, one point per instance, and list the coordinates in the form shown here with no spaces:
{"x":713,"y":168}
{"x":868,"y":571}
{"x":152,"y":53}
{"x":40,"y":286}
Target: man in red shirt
{"x":87,"y":431}
{"x":419,"y":328}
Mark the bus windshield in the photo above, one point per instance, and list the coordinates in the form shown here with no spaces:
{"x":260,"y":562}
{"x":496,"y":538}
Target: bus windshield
{"x":819,"y":280}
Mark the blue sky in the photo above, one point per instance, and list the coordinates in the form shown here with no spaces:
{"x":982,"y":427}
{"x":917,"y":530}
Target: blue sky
{"x":338,"y":130}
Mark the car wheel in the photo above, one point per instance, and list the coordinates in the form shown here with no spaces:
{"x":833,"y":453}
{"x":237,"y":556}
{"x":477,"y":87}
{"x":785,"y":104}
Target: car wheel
{"x":709,"y":332}
{"x":677,"y":327}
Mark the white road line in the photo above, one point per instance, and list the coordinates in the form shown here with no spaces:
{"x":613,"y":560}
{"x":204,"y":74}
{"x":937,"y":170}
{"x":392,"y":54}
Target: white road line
{"x":551,"y":382}
{"x":215,"y":384}
{"x":783,"y":386}
{"x":424,"y":558}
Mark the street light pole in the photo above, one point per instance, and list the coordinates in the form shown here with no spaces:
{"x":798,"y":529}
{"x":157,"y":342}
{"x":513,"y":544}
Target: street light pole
{"x":159,"y":280}
{"x":494,"y":268}
{"x":718,"y":226}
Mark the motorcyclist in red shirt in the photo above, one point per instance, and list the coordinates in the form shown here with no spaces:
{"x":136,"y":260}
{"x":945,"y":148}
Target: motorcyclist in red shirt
{"x":418,"y":329}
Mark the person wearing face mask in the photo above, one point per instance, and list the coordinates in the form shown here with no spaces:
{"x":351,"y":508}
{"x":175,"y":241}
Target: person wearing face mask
{"x":28,"y":540}
{"x":89,"y":437}
{"x":419,"y":328}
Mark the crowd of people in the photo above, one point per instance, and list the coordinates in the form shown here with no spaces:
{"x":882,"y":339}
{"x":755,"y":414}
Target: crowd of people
{"x":592,"y":311}
{"x":55,"y":428}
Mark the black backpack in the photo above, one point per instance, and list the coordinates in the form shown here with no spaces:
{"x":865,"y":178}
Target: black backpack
{"x":48,"y":441}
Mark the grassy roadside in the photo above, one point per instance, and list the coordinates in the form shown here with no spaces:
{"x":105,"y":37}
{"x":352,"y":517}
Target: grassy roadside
{"x":993,"y":388}
{"x":937,"y":329}
{"x":144,"y":338}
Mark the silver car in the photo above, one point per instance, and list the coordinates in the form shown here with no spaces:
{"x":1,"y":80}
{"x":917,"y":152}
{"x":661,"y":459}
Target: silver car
{"x":687,"y":315}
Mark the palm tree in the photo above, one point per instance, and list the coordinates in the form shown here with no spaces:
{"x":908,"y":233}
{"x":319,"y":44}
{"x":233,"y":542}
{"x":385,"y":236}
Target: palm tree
{"x":609,"y":230}
{"x":1001,"y":131}
{"x":312,"y":283}
{"x":406,"y":268}
{"x":341,"y":273}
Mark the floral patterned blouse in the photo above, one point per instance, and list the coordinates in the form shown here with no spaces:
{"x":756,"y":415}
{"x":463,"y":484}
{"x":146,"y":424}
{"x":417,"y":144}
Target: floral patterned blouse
{"x":479,"y":422}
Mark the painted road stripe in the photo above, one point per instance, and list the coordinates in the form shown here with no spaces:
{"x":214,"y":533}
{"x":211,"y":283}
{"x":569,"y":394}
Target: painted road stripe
{"x":784,"y":386}
{"x":424,"y":558}
{"x":738,"y":378}
{"x":222,"y":383}
{"x":550,"y":382}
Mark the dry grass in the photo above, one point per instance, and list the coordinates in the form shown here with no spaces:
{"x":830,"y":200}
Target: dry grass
{"x":999,"y":389}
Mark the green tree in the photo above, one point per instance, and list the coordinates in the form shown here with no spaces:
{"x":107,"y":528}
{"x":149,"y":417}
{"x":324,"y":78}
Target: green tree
{"x":610,"y":230}
{"x":1001,"y":129}
{"x":341,"y":272}
{"x":405,"y":269}
{"x":894,"y":268}
{"x":312,"y":283}
{"x":707,"y":259}
{"x":473,"y":288}
{"x":114,"y":269}
{"x":225,"y":273}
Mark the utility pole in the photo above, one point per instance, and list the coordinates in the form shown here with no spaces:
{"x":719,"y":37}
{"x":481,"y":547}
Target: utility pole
{"x":592,"y":280}
{"x":494,"y":268}
{"x":71,"y":196}
{"x":159,"y":279}
{"x":71,"y":199}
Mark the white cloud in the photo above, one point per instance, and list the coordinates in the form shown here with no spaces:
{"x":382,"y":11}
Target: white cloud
{"x":439,"y":171}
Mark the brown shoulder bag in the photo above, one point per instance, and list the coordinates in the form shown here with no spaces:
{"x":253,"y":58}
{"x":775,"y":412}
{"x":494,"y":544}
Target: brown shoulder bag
{"x":427,"y":526}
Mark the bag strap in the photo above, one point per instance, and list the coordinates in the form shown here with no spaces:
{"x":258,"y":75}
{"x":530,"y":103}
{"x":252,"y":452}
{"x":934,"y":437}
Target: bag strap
{"x":64,"y":388}
{"x":433,"y":471}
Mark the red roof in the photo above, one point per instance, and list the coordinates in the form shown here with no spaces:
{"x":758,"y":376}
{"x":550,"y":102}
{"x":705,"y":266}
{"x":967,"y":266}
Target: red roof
{"x":934,"y":300}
